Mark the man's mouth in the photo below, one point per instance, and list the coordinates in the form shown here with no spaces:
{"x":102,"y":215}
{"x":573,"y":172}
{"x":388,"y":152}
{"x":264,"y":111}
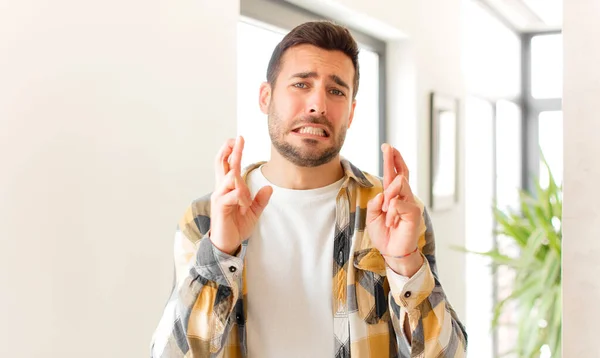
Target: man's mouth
{"x":315,"y":131}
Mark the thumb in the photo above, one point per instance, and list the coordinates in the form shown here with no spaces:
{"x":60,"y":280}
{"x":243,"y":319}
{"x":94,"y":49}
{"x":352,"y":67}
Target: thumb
{"x":374,"y":207}
{"x":261,"y":199}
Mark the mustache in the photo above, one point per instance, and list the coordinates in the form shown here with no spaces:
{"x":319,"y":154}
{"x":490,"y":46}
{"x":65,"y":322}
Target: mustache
{"x":313,"y":120}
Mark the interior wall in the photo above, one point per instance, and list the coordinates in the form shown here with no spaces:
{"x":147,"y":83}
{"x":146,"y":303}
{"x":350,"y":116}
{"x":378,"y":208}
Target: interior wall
{"x":581,"y":209}
{"x":110,"y":115}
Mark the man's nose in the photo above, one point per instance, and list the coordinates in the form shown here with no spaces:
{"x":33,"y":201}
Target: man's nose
{"x":317,"y":103}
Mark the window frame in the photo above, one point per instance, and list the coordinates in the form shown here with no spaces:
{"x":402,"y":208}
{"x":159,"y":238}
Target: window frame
{"x":531,"y":108}
{"x":493,"y":101}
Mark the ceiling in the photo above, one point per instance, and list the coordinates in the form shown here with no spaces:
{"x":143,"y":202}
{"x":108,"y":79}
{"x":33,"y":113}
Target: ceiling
{"x":529,"y":15}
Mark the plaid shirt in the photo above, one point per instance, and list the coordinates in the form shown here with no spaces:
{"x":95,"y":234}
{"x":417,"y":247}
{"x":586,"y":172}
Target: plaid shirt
{"x":206,"y":317}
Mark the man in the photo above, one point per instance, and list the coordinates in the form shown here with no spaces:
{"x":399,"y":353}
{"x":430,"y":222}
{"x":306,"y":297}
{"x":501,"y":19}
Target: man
{"x":305,"y":255}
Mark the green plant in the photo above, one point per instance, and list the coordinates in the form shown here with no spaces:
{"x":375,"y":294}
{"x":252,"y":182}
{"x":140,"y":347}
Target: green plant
{"x":535,"y":229}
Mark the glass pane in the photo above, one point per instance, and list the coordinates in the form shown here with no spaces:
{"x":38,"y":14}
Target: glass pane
{"x":479,"y":181}
{"x":508,"y":182}
{"x":492,"y":55}
{"x":508,"y":153}
{"x":255,"y":45}
{"x":546,"y":66}
{"x":551,"y":145}
{"x":362,"y":139}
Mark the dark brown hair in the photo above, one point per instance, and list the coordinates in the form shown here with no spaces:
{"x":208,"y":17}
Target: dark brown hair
{"x":322,"y":34}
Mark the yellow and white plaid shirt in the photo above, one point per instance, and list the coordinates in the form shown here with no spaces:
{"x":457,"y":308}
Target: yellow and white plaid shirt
{"x":205,"y":316}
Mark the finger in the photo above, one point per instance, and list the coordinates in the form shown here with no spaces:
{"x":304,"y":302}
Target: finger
{"x":236,"y":155}
{"x":401,"y":210}
{"x":222,"y":159}
{"x":244,"y":190}
{"x":261,"y":200}
{"x":399,"y":187}
{"x":388,"y":165}
{"x":392,"y":214}
{"x":226,"y":185}
{"x":392,"y":218}
{"x":399,"y":163}
{"x":374,"y":206}
{"x":232,"y":182}
{"x":232,"y":198}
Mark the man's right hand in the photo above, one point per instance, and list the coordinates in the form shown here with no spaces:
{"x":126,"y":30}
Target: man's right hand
{"x":233,"y":213}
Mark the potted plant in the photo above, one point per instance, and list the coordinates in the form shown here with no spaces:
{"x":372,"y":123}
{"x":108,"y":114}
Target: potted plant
{"x":534,"y":231}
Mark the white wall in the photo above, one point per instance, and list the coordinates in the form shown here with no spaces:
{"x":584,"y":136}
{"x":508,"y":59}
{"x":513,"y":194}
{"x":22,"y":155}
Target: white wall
{"x":581,"y":210}
{"x":110,"y":114}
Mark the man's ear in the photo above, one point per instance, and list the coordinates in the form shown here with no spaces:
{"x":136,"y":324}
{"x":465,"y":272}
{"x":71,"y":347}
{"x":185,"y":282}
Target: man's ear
{"x":264,"y":98}
{"x":351,"y":113}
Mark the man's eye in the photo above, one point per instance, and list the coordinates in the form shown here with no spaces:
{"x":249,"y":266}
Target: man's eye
{"x":300,"y":85}
{"x":337,"y":92}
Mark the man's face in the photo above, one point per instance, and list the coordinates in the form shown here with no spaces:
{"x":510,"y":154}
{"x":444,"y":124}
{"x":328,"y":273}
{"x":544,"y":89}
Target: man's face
{"x":310,"y":107}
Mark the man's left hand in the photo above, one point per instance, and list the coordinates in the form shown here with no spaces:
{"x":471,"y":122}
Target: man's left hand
{"x":394,"y":218}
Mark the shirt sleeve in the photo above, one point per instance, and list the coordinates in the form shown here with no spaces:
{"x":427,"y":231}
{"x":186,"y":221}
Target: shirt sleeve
{"x":195,"y":319}
{"x":435,"y":327}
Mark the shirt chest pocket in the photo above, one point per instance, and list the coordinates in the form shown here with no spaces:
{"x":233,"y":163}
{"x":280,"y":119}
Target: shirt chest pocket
{"x":371,"y":287}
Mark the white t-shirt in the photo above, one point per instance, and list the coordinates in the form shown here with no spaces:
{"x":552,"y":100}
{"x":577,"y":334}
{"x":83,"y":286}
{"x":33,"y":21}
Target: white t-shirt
{"x":289,"y":273}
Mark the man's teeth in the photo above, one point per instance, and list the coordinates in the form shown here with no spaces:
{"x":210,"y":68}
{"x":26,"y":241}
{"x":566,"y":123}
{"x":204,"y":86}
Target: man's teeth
{"x":312,"y":130}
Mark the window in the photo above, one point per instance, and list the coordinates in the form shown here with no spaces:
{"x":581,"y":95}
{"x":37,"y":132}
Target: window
{"x":479,"y":179}
{"x":543,"y":106}
{"x":550,"y":137}
{"x":493,"y":73}
{"x":362,"y":144}
{"x":515,"y":85}
{"x":493,"y":177}
{"x":509,"y":154}
{"x":256,"y":42}
{"x":546,"y":66}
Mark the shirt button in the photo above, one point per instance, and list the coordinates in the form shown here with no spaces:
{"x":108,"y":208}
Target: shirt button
{"x":238,"y":318}
{"x":232,"y":269}
{"x":407,"y":294}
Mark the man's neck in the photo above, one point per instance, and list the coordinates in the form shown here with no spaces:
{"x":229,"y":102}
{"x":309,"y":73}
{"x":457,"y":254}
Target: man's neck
{"x":285,"y":174}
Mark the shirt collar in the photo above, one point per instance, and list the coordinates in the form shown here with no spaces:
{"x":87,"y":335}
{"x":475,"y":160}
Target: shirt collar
{"x":356,"y":174}
{"x":350,"y":171}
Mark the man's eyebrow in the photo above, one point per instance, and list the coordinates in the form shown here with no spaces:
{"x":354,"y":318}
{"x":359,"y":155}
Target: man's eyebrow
{"x":312,"y":74}
{"x":305,"y":75}
{"x":339,"y":81}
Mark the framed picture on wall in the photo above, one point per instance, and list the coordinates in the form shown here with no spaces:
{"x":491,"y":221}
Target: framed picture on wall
{"x":443,"y":152}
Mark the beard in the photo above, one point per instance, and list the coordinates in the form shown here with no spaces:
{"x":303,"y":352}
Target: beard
{"x":310,"y":154}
